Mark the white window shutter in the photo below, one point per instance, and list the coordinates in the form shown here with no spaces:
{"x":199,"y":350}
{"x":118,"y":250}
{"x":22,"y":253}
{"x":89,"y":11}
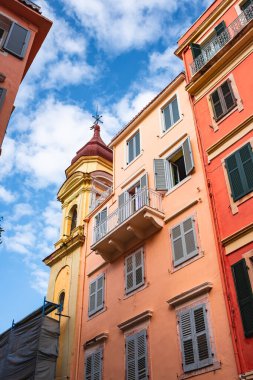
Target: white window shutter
{"x":188,"y":157}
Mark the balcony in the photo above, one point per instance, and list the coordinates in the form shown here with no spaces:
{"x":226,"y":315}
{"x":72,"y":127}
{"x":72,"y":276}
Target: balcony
{"x":136,"y":220}
{"x":218,"y":42}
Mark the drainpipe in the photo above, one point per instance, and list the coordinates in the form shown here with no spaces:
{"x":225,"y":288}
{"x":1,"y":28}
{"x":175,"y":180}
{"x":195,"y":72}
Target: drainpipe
{"x":221,"y":261}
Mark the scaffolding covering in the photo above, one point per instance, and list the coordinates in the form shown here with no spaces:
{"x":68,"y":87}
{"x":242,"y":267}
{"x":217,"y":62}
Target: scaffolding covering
{"x":29,"y":350}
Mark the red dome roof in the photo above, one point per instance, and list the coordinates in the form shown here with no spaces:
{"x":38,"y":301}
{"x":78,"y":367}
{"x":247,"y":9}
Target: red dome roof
{"x":95,"y":147}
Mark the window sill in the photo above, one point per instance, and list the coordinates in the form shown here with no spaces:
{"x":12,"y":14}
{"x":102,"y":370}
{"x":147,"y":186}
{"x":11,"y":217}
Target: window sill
{"x":216,"y":365}
{"x":97,"y":313}
{"x":136,"y":158}
{"x":188,"y":262}
{"x":170,"y":128}
{"x":142,"y":287}
{"x":178,"y":185}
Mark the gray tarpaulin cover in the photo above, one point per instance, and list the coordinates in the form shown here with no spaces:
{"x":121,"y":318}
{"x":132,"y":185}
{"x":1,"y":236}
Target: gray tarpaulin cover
{"x":29,"y":350}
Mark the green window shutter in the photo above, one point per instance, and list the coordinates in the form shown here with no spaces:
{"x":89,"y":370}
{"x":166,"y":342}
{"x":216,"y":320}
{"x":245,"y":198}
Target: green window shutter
{"x":196,"y":50}
{"x":202,"y":339}
{"x":161,"y":182}
{"x":17,"y":40}
{"x":184,"y":242}
{"x":186,"y":324}
{"x":240,"y":171}
{"x":244,"y":295}
{"x":2,"y":96}
{"x":136,"y":357}
{"x":188,"y":157}
{"x":223,"y":100}
{"x":96,"y":295}
{"x":220,"y":28}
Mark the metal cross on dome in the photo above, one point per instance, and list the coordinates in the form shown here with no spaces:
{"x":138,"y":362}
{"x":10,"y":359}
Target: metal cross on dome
{"x":97,"y":118}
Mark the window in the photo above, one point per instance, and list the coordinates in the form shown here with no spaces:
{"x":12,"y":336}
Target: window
{"x":100,"y":225}
{"x":223,"y":100}
{"x":134,"y":271}
{"x":133,"y":147}
{"x":170,"y":114}
{"x":13,"y":37}
{"x":2,"y":96}
{"x":136,"y":356}
{"x":96,"y":295}
{"x":184,"y":242}
{"x":73,"y":218}
{"x":247,"y":8}
{"x":61,"y":301}
{"x":93,"y":365}
{"x":240,"y":171}
{"x":244,"y":295}
{"x":194,"y":338}
{"x":171,"y":171}
{"x":133,"y":199}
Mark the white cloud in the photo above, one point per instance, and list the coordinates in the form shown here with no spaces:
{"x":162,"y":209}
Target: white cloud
{"x":39,"y":280}
{"x":22,"y":209}
{"x":6,"y":195}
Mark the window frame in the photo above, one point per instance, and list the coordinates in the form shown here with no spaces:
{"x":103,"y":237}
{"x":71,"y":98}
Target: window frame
{"x":169,"y":105}
{"x":135,"y":154}
{"x":135,"y":286}
{"x":97,"y":308}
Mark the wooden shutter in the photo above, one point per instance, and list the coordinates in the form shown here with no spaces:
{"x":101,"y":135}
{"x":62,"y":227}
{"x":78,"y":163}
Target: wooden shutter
{"x":136,"y":356}
{"x":134,"y":271}
{"x":161,"y":182}
{"x":228,"y":95}
{"x":184,"y":242}
{"x":96,"y":295}
{"x":244,"y":295}
{"x":2,"y":96}
{"x":188,"y":158}
{"x":93,"y":365}
{"x":195,"y":340}
{"x":17,"y":40}
{"x":216,"y":105}
{"x":196,"y":50}
{"x":88,"y":368}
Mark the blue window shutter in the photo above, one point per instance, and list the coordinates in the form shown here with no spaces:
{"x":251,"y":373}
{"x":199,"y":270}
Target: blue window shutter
{"x":196,"y":50}
{"x":244,"y":295}
{"x":202,"y":339}
{"x":188,"y":157}
{"x":186,"y":325}
{"x":136,"y":356}
{"x":17,"y":40}
{"x":2,"y":96}
{"x":161,"y":182}
{"x":100,"y":293}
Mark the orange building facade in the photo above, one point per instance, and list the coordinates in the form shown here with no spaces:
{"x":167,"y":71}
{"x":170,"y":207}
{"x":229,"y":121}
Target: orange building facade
{"x":150,"y":296}
{"x":22,"y":32}
{"x":218,"y":55}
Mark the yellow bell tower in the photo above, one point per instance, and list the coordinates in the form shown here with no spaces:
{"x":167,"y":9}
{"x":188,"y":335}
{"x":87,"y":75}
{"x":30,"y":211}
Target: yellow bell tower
{"x":88,"y":181}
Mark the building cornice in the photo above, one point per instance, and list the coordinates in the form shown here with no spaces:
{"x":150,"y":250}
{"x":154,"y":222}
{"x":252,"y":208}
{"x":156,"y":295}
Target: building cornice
{"x":132,"y":322}
{"x":190,"y":294}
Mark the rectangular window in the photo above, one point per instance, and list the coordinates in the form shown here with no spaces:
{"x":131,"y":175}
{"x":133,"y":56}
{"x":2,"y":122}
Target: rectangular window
{"x":184,"y":242}
{"x":170,"y":114}
{"x":14,"y":38}
{"x":93,"y":365}
{"x":100,"y":225}
{"x":223,"y":100}
{"x":136,"y":356}
{"x":134,"y":271}
{"x":244,"y":295}
{"x":169,"y":172}
{"x":133,"y":147}
{"x":2,"y":96}
{"x":195,"y":339}
{"x":96,"y":295}
{"x":240,"y":171}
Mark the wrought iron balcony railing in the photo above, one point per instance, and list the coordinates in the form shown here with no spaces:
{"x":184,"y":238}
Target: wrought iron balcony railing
{"x":218,"y":42}
{"x":144,"y":197}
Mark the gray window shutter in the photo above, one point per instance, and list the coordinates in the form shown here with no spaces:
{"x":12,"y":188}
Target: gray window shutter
{"x":123,"y":206}
{"x":137,"y":144}
{"x":175,"y":111}
{"x":228,"y":96}
{"x":2,"y":96}
{"x":144,"y":191}
{"x":187,"y":340}
{"x":196,"y":50}
{"x":188,"y":158}
{"x":139,"y":268}
{"x":161,"y":182}
{"x":167,"y":117}
{"x":134,"y":271}
{"x":17,"y":40}
{"x":88,"y":368}
{"x":217,"y":105}
{"x":184,"y":242}
{"x":129,"y":274}
{"x":92,"y":297}
{"x":144,"y":181}
{"x":100,"y":293}
{"x":202,"y":339}
{"x":136,"y":356}
{"x":93,"y":366}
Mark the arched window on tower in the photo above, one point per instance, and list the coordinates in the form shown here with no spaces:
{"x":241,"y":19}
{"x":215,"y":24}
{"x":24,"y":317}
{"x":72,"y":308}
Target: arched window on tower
{"x":73,"y":218}
{"x":61,"y":301}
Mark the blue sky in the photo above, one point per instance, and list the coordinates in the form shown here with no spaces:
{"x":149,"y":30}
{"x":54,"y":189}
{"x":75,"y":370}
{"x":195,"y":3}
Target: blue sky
{"x":116,"y":55}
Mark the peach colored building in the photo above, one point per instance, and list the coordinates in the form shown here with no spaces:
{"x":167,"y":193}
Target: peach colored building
{"x":218,"y":56}
{"x":151,"y":299}
{"x":22,"y":32}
